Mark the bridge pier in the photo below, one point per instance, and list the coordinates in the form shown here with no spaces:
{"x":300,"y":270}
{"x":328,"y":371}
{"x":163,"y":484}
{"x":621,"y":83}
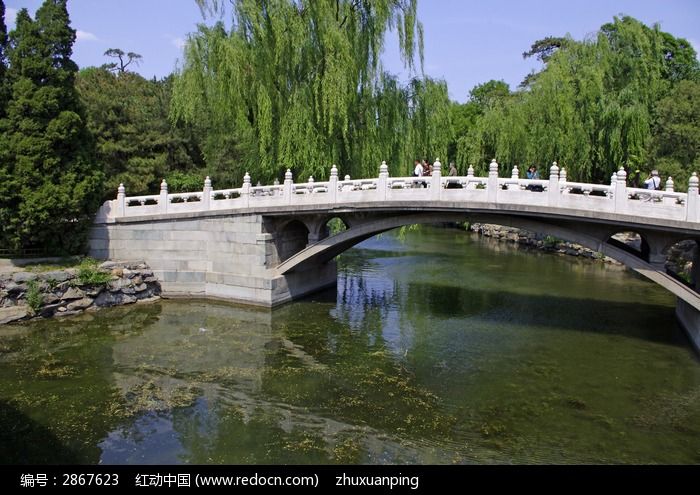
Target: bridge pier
{"x":231,"y":257}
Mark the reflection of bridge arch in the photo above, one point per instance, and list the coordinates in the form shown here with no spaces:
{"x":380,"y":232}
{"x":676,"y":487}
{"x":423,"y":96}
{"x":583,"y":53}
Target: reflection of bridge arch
{"x":590,"y":236}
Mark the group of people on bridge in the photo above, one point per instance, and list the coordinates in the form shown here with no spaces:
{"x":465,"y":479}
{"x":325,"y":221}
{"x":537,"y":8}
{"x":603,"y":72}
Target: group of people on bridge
{"x":653,"y":181}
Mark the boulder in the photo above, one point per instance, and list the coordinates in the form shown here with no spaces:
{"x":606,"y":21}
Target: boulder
{"x":56,"y":276}
{"x":141,"y":287}
{"x":73,"y":293}
{"x":83,"y":303}
{"x":118,"y":272}
{"x":108,"y":299}
{"x":50,"y":298}
{"x":63,"y":286}
{"x":118,"y":284}
{"x":93,"y":291}
{"x":137,"y":280}
{"x":68,"y":313}
{"x":24,"y":277}
{"x":150,"y":280}
{"x":13,"y":289}
{"x":13,"y":313}
{"x":49,"y":310}
{"x":108,"y":265}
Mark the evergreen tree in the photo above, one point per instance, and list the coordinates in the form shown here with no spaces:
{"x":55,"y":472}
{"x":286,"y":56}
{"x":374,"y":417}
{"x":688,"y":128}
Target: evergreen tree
{"x":50,"y":187}
{"x":136,"y":143}
{"x":3,"y":59}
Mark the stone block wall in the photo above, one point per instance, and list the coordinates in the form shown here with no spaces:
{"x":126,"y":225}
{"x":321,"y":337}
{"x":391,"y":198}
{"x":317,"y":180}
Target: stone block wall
{"x":229,"y":257}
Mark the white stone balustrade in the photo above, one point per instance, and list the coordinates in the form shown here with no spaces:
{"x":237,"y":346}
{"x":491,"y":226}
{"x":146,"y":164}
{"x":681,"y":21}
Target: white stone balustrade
{"x":556,"y":191}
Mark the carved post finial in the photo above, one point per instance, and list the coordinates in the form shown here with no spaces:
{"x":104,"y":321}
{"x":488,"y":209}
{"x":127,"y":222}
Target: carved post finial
{"x":121,"y":200}
{"x":333,"y":184}
{"x":492,"y":183}
{"x":207,"y":182}
{"x":514,"y":176}
{"x":163,"y":200}
{"x":553,"y":190}
{"x":554,"y":169}
{"x":692,"y":202}
{"x":622,"y":176}
{"x":669,"y":184}
{"x":288,"y":185}
{"x":246,"y":178}
{"x":383,"y":169}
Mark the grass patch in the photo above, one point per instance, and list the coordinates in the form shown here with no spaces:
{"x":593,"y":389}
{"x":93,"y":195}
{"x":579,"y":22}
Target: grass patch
{"x":34,"y":296}
{"x":62,"y":264}
{"x":89,"y":273}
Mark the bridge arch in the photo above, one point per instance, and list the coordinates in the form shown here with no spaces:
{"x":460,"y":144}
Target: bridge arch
{"x":325,"y":250}
{"x":644,"y":250}
{"x":292,"y":237}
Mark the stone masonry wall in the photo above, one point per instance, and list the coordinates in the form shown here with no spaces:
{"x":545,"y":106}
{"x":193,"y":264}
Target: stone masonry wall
{"x":61,"y":292}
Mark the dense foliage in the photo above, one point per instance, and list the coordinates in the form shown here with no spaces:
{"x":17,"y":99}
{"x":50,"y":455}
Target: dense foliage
{"x":598,"y":104}
{"x":299,"y":83}
{"x":136,"y":144}
{"x":49,"y":187}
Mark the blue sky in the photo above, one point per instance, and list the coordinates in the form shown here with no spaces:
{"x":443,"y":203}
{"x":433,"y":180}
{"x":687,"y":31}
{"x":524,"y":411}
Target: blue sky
{"x":467,"y":42}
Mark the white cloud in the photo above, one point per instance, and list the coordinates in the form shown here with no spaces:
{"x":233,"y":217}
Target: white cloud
{"x":10,"y":17}
{"x":85,"y":36}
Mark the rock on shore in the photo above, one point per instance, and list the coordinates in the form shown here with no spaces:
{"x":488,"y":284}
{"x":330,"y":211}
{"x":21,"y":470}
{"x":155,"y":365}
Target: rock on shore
{"x":25,"y":295}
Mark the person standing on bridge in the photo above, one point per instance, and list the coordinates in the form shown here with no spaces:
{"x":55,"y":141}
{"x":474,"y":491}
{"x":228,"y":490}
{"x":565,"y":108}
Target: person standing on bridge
{"x":654,"y":181}
{"x":636,"y":179}
{"x":418,"y":169}
{"x":453,"y":184}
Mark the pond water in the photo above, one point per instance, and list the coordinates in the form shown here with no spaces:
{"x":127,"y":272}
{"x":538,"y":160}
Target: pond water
{"x":436,"y":347}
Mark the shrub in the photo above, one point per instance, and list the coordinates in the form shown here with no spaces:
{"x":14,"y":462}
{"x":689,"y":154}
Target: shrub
{"x":34,"y":296}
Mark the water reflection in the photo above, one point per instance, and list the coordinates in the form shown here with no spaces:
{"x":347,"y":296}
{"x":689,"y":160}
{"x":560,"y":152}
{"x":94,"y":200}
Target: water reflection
{"x":438,"y":349}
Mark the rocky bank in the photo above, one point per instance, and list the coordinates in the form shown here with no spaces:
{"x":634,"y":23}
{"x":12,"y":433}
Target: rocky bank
{"x":679,"y":262}
{"x":26,"y":294}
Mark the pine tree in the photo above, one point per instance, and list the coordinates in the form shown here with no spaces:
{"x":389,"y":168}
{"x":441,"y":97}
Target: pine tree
{"x":49,"y":188}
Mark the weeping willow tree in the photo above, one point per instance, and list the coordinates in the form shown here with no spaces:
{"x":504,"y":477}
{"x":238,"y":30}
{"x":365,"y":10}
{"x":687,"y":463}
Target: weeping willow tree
{"x":299,"y":84}
{"x":591,"y":108}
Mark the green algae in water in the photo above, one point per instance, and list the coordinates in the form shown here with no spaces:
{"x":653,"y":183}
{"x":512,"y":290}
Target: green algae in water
{"x":435,"y":349}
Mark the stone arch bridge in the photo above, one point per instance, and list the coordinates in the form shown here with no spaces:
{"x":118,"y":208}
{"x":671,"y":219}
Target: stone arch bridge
{"x":267,"y":245}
